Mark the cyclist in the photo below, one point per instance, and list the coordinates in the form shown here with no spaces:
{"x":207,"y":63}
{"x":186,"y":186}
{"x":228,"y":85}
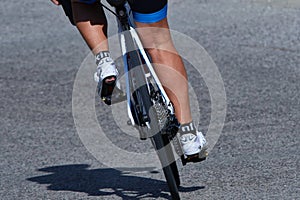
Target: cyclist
{"x":89,"y":18}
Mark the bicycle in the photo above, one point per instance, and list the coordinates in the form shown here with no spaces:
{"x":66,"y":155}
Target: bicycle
{"x":149,"y":108}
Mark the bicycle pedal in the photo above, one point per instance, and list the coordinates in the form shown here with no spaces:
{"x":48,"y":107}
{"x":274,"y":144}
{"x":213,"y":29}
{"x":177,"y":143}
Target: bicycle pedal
{"x":114,"y":98}
{"x":106,"y":100}
{"x":110,"y":94}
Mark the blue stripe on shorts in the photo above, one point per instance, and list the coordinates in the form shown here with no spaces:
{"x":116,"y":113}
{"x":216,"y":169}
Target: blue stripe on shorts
{"x":88,"y":1}
{"x":151,"y":17}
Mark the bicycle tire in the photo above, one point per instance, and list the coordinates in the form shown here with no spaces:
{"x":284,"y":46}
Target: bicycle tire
{"x":165,"y":155}
{"x":158,"y":140}
{"x":173,"y":164}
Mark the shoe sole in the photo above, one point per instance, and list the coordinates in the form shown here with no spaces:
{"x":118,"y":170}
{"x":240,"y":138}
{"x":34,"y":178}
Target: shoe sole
{"x":197,"y":157}
{"x":110,"y":93}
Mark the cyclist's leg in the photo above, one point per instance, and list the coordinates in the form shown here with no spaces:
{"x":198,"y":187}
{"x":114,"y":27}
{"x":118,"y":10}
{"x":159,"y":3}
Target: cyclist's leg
{"x":156,"y":37}
{"x":92,"y":24}
{"x":169,"y":65}
{"x":171,"y":72}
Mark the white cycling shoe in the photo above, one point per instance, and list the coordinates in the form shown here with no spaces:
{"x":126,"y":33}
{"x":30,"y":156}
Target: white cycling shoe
{"x":109,"y":91}
{"x":193,"y":145}
{"x":106,"y":68}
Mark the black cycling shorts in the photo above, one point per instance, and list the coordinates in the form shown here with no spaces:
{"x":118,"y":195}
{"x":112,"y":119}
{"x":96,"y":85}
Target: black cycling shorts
{"x":67,"y":6}
{"x":144,"y":11}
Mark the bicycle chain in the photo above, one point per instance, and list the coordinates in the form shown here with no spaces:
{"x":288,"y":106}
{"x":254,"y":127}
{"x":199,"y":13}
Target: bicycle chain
{"x":162,"y":114}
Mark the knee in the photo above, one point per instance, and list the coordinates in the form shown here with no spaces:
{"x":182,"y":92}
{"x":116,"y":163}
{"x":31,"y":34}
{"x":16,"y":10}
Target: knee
{"x":155,"y":35}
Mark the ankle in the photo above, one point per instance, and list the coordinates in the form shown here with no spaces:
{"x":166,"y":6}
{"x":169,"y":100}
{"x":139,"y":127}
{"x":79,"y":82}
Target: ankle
{"x":187,"y":128}
{"x":101,"y":55}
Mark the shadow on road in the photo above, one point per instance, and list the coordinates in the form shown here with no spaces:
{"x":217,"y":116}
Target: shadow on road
{"x":104,"y":182}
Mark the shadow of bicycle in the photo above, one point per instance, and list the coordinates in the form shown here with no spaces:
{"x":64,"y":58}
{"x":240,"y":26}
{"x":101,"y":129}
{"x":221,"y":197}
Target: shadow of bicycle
{"x":104,"y":182}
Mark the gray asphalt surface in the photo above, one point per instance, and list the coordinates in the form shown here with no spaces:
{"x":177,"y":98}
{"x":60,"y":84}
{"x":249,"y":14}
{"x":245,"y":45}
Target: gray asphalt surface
{"x":255,"y":44}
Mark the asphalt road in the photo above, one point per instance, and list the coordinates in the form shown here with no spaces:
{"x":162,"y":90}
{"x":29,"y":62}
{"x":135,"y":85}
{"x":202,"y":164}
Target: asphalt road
{"x":255,"y":44}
